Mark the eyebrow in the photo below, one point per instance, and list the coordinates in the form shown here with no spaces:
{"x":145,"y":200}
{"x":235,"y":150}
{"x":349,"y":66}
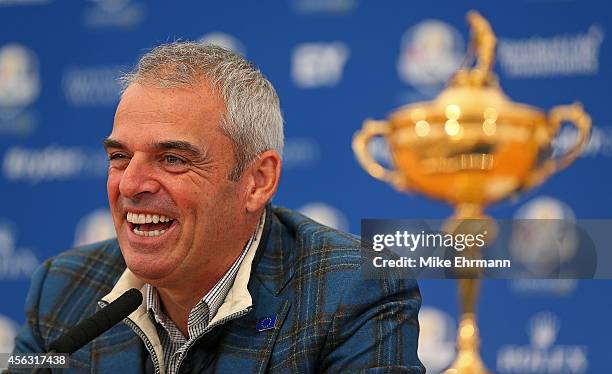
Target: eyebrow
{"x":112,"y":143}
{"x":179,"y":145}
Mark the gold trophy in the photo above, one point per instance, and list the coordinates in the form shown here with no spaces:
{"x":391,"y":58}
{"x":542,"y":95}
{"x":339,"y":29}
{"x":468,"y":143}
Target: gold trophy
{"x":471,"y":146}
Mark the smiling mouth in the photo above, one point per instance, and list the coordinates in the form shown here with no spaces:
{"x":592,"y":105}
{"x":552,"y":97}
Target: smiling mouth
{"x":149,"y":224}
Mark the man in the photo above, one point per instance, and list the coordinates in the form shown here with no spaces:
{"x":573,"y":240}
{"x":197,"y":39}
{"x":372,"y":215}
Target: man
{"x":230,"y":284}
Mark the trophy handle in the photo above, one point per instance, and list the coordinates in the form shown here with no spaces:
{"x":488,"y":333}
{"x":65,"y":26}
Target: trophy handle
{"x":575,"y":115}
{"x":361,"y":139}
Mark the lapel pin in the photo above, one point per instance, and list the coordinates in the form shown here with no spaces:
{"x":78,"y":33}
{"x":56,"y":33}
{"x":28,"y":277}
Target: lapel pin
{"x":266,"y":323}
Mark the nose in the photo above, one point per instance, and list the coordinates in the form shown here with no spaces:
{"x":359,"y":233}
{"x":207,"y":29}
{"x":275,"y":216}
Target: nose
{"x":138,"y":178}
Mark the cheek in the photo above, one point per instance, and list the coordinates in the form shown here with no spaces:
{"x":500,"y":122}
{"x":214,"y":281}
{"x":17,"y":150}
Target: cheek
{"x":112,"y":186}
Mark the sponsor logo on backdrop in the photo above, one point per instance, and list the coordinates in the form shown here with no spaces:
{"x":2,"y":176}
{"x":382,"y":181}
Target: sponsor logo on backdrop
{"x":316,"y":65}
{"x":436,"y":339}
{"x":430,"y":52}
{"x":300,"y":152}
{"x":600,"y":142}
{"x":558,"y":55}
{"x":94,"y":227}
{"x":8,"y":331}
{"x":325,"y":214}
{"x":535,"y":245}
{"x":15,"y":263}
{"x":307,"y":7}
{"x":554,"y":287}
{"x":19,"y":88}
{"x":543,"y":355}
{"x":113,"y":13}
{"x":53,"y":163}
{"x":224,"y":40}
{"x":23,"y":2}
{"x":92,"y":86}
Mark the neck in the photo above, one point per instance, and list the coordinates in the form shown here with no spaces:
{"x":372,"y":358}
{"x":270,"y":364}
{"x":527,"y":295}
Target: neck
{"x":177,"y":302}
{"x":179,"y":298}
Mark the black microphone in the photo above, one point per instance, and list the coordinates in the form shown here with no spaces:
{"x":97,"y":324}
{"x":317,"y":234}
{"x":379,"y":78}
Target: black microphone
{"x":92,"y":327}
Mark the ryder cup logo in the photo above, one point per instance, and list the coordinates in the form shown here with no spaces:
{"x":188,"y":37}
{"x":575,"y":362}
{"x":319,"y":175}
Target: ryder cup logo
{"x":430,"y":52}
{"x":436,"y":339}
{"x":15,"y":263}
{"x":542,"y":355}
{"x":543,"y":236}
{"x":19,"y":80}
{"x":543,"y":207}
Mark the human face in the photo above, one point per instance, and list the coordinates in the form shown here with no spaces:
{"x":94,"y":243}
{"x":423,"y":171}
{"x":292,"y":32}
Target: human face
{"x":168,"y":157}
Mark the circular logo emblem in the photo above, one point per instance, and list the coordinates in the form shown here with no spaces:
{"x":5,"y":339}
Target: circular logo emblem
{"x":543,"y":235}
{"x":430,"y":52}
{"x":19,"y":80}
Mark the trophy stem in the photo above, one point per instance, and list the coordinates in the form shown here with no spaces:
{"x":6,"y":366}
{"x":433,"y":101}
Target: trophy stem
{"x":468,"y":359}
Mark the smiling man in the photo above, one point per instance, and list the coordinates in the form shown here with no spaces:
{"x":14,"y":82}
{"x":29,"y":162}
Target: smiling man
{"x":230,"y":283}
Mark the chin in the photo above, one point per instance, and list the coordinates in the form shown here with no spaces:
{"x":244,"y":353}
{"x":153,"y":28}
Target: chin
{"x":148,"y":268}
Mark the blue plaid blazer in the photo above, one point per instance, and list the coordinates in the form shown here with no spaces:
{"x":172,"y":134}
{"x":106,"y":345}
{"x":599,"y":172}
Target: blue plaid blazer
{"x":328,"y":317}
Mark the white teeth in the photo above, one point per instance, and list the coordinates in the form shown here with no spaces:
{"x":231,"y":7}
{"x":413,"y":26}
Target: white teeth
{"x":146,"y":218}
{"x":149,"y":233}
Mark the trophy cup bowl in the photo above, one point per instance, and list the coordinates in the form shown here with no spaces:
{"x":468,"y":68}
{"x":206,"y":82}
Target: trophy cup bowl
{"x":471,"y":146}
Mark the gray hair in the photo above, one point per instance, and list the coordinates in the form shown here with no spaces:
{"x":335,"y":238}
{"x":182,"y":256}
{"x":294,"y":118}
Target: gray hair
{"x":252,"y":118}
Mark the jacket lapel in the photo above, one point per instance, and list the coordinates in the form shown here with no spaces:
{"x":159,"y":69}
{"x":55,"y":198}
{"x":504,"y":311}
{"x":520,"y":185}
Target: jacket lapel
{"x":118,"y":350}
{"x":247,"y":342}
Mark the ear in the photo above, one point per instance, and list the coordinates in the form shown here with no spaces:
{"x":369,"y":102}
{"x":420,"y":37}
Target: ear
{"x":263,"y":175}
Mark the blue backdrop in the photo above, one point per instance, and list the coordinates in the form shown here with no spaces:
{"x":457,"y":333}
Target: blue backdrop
{"x":334,"y":63}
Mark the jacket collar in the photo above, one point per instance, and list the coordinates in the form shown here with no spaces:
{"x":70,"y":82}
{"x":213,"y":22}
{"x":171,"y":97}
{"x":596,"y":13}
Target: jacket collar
{"x":274,"y":260}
